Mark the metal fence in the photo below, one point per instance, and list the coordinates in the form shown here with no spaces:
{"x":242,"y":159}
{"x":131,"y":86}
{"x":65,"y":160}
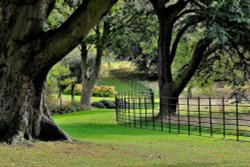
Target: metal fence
{"x":215,"y":117}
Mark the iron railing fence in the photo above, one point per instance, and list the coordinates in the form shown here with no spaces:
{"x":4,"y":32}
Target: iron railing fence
{"x":219,"y":117}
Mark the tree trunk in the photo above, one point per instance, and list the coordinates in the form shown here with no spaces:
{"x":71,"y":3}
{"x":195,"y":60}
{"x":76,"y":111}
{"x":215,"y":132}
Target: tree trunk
{"x":23,"y":113}
{"x":170,"y":88}
{"x":90,"y":75}
{"x":90,"y":72}
{"x":60,"y":98}
{"x":88,"y":86}
{"x":168,"y":97}
{"x":73,"y":93}
{"x":189,"y":93}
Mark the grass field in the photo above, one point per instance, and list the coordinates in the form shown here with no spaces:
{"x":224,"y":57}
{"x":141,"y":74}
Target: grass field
{"x":103,"y":143}
{"x":124,"y":85}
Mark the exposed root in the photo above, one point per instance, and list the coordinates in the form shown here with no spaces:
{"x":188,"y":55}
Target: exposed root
{"x":49,"y":131}
{"x":12,"y":138}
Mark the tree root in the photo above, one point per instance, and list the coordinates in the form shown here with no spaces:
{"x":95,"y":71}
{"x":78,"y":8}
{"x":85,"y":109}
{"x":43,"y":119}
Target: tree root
{"x":46,"y":131}
{"x":49,"y":131}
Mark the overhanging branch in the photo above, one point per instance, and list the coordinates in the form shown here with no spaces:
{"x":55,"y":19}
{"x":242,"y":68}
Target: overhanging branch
{"x":181,"y":32}
{"x":195,"y":61}
{"x":58,"y":43}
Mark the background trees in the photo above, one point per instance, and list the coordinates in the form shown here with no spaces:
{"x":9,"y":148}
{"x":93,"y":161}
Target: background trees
{"x":212,"y":22}
{"x":125,"y":29}
{"x":188,"y":23}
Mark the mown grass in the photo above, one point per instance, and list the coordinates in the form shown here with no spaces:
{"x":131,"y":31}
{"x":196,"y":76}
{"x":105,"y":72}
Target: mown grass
{"x":93,"y":99}
{"x":103,"y":143}
{"x":124,"y":84}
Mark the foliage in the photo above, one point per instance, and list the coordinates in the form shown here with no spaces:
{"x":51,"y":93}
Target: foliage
{"x":63,"y":9}
{"x":73,"y":61}
{"x":67,"y":98}
{"x":59,"y":78}
{"x":224,"y":23}
{"x":230,"y":29}
{"x":78,"y":89}
{"x":136,"y":40}
{"x":99,"y":91}
{"x":104,"y":91}
{"x":56,"y":109}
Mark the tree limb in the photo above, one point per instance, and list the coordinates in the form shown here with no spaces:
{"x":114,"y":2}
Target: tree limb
{"x":181,"y":33}
{"x":195,"y":61}
{"x":58,"y":43}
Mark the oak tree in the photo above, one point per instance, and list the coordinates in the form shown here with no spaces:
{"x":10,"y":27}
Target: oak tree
{"x":221,"y":26}
{"x":27,"y":52}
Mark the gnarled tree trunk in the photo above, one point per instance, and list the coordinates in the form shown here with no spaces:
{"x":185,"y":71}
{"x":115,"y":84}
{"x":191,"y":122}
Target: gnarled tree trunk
{"x":23,"y":113}
{"x":27,"y":53}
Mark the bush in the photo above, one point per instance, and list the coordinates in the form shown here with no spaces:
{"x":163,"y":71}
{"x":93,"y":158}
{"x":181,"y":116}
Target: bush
{"x":56,"y":109}
{"x":99,"y":91}
{"x":104,"y":91}
{"x":98,"y":105}
{"x":78,"y":89}
{"x":104,"y":104}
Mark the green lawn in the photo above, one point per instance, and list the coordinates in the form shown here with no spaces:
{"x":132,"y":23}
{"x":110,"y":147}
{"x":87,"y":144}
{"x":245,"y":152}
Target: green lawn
{"x":93,"y":99}
{"x":103,"y":143}
{"x":124,"y":85}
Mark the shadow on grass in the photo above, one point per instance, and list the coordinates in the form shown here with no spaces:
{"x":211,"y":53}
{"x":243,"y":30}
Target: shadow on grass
{"x":82,"y":130}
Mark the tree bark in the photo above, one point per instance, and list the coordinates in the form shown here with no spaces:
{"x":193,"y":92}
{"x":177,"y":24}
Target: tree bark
{"x":24,"y":114}
{"x":26,"y":55}
{"x":73,"y":93}
{"x":90,"y":75}
{"x":166,"y":83}
{"x":60,"y":98}
{"x":168,"y":98}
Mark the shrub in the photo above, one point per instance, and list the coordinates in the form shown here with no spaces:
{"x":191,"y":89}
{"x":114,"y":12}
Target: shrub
{"x":104,"y":104}
{"x":56,"y":109}
{"x":99,"y":91}
{"x":104,"y":91}
{"x":98,"y":105}
{"x":78,"y":89}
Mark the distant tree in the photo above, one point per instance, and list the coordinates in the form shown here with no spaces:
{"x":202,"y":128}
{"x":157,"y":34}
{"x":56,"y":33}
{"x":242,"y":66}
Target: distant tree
{"x":73,"y":61}
{"x":60,"y":74}
{"x":91,"y":65}
{"x":116,"y":36}
{"x":221,"y":27}
{"x":136,"y":41}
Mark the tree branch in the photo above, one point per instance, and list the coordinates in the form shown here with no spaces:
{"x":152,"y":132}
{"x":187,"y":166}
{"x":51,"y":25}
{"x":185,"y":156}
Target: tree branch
{"x":179,"y":35}
{"x":159,"y":5}
{"x":176,"y":8}
{"x":183,"y":13}
{"x":176,"y":42}
{"x":58,"y":43}
{"x":171,"y":11}
{"x":194,"y":63}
